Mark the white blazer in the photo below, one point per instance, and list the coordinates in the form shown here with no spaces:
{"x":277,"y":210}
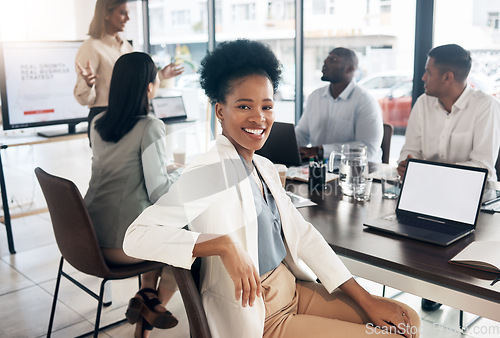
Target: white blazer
{"x":213,"y":195}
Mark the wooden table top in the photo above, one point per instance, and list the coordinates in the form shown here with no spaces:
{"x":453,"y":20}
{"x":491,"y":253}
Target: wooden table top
{"x":340,"y":220}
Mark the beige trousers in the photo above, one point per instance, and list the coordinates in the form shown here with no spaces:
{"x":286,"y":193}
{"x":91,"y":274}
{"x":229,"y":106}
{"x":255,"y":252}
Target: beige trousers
{"x":305,"y":309}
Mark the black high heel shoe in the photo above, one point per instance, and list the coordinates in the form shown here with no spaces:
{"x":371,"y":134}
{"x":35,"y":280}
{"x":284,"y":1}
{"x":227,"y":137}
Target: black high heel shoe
{"x":141,"y":327}
{"x":144,"y":308}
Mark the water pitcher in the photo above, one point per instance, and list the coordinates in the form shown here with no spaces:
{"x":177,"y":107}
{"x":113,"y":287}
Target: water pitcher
{"x":353,"y":163}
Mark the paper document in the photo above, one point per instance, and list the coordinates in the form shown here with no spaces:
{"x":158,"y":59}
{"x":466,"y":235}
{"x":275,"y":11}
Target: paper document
{"x":491,"y":201}
{"x":299,"y":201}
{"x":302,"y":174}
{"x":381,"y":168}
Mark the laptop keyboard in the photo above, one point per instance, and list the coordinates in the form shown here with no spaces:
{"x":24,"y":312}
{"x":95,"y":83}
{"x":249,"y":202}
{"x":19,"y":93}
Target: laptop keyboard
{"x":429,"y":225}
{"x":423,"y":224}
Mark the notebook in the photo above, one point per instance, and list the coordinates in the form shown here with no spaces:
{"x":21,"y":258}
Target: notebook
{"x":170,"y":109}
{"x":281,"y":145}
{"x":482,"y":255}
{"x":439,"y":203}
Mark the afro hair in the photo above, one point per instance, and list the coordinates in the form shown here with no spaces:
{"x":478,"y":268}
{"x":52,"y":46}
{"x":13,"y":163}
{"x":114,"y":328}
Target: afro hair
{"x":233,"y":60}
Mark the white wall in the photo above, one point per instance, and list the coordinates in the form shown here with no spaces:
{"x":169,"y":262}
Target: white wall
{"x":24,"y":20}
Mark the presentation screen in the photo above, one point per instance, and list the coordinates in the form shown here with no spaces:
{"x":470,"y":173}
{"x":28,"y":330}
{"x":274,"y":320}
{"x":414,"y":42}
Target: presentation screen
{"x":37,"y":81}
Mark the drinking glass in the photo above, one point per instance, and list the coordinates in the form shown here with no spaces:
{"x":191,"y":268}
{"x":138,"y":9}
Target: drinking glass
{"x":362,"y":187}
{"x":391,"y":186}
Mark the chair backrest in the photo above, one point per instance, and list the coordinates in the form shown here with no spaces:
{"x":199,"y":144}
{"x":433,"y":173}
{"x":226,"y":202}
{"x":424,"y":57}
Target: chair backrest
{"x":73,"y":229}
{"x":497,"y":166}
{"x":386,"y":142}
{"x":198,"y":324}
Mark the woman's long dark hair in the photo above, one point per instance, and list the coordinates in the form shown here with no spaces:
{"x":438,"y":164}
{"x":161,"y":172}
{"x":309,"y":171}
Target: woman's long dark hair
{"x":128,"y":95}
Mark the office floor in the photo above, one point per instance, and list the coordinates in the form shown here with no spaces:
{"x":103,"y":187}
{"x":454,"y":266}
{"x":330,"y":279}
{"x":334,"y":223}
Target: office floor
{"x":27,"y":278}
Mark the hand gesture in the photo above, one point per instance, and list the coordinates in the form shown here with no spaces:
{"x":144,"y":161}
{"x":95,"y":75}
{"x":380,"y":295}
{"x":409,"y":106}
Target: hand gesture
{"x":308,"y":152}
{"x":171,"y":70}
{"x":87,"y":73}
{"x":173,"y":167}
{"x":390,"y":317}
{"x":243,"y":273}
{"x":402,"y":166}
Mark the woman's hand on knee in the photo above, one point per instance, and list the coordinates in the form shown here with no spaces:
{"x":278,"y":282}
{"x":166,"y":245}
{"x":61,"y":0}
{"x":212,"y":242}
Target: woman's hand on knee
{"x":389,"y":316}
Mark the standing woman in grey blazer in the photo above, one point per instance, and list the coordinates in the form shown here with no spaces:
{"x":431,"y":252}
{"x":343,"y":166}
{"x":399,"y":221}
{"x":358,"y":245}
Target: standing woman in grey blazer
{"x":129,"y":173}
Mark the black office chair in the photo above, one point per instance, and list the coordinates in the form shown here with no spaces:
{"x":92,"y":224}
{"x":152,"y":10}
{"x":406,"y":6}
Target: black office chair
{"x":386,"y":142}
{"x":497,"y":166}
{"x":76,"y":239}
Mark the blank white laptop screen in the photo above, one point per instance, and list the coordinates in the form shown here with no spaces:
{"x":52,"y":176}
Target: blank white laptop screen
{"x":440,"y":191}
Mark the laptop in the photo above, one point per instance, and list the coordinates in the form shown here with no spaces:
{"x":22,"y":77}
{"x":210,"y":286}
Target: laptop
{"x":281,"y":145}
{"x":170,"y":109}
{"x":439,"y":203}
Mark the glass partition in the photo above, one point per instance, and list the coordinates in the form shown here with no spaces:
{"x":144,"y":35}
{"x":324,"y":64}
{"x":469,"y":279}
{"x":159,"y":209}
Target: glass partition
{"x":178,"y":33}
{"x":381,"y":32}
{"x":272,"y":22}
{"x":474,"y":25}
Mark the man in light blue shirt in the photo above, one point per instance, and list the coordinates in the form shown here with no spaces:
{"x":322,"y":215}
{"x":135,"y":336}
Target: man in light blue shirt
{"x":341,"y":112}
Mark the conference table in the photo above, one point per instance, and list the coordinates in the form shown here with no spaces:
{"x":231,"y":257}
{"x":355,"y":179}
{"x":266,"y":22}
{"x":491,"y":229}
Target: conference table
{"x":405,"y":264}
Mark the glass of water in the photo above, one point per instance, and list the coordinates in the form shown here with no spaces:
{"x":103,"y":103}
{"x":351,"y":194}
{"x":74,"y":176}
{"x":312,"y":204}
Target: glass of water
{"x":362,"y":188}
{"x":391,"y":186}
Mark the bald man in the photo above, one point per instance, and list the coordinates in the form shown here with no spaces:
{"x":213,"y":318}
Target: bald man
{"x":341,"y":112}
